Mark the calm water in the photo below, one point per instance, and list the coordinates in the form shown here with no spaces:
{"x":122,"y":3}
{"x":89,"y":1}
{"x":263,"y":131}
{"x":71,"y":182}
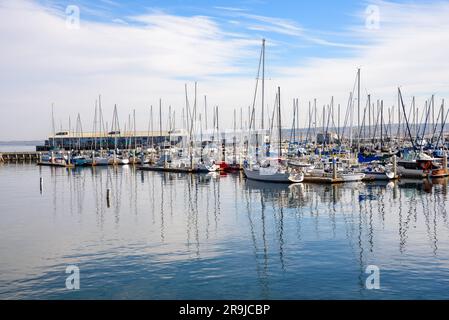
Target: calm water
{"x":170,"y":236}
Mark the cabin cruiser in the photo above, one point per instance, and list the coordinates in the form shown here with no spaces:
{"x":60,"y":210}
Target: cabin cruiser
{"x":272,"y":170}
{"x":423,"y":166}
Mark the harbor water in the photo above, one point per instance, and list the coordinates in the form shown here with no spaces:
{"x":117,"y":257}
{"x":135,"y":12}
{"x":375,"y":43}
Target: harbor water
{"x":178,"y":236}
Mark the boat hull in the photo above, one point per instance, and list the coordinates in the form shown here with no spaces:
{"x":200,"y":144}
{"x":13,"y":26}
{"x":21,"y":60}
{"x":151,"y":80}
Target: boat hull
{"x":412,"y":173}
{"x":278,"y":177}
{"x":379,"y":176}
{"x":327,"y":178}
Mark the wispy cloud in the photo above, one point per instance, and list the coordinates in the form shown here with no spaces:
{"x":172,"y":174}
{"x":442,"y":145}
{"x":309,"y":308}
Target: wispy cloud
{"x":130,"y":64}
{"x":236,"y":9}
{"x":153,"y":55}
{"x":275,"y":25}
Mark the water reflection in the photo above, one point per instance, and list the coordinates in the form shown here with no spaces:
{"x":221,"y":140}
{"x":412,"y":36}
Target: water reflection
{"x":279,"y":240}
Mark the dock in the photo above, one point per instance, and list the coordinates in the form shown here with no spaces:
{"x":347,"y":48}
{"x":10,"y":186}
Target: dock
{"x":165,"y":169}
{"x":22,"y":156}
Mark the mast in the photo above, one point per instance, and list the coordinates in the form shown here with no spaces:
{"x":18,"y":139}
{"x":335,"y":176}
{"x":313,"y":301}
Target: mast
{"x":315,"y":122}
{"x":160,"y":118}
{"x":169,"y":125}
{"x":134,"y":120}
{"x":70,"y":133}
{"x":152,"y":127}
{"x":279,"y":123}
{"x":414,"y":116}
{"x":381,"y":123}
{"x":79,"y":130}
{"x":263,"y":83}
{"x":95,"y":127}
{"x":308,"y":127}
{"x":115,"y":129}
{"x":338,"y":124}
{"x":399,"y":114}
{"x":201,"y":140}
{"x":297,"y":122}
{"x":100,"y":112}
{"x":205,"y":112}
{"x":149,"y":129}
{"x":53,"y":123}
{"x":442,"y":121}
{"x":129,"y":137}
{"x":234,"y":142}
{"x":358,"y":109}
{"x":369,"y":115}
{"x":405,"y":116}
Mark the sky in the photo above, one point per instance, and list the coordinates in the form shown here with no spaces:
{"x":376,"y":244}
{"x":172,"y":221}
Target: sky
{"x":135,"y":52}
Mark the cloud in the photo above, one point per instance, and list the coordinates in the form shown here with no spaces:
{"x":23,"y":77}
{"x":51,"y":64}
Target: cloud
{"x":155,"y":54}
{"x":409,"y":49}
{"x":43,"y":61}
{"x":230,"y":8}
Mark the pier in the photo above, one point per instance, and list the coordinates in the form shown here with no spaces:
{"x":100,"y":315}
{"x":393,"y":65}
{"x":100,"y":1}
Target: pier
{"x":29,"y":156}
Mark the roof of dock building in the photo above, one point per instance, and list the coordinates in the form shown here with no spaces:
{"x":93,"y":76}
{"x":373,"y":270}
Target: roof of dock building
{"x":122,"y":134}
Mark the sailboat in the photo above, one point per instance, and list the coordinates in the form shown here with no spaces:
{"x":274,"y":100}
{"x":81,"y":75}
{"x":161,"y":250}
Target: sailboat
{"x":273,"y":169}
{"x":332,"y":171}
{"x":423,"y":166}
{"x":233,"y":166}
{"x":377,"y":171}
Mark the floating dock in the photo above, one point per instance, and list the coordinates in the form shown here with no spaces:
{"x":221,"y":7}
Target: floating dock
{"x":166,"y":169}
{"x":56,"y":164}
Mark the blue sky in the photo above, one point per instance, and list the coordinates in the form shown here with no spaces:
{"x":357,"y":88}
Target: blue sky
{"x":135,"y":52}
{"x":323,"y":19}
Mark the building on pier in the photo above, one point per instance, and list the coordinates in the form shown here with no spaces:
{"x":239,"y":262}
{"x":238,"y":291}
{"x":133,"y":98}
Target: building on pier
{"x":122,"y":140}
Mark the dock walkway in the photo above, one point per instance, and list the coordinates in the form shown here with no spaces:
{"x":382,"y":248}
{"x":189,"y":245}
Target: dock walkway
{"x":31,"y":156}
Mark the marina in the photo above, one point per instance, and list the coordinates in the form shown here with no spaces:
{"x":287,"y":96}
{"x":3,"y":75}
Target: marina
{"x":251,"y":152}
{"x":365,"y":146}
